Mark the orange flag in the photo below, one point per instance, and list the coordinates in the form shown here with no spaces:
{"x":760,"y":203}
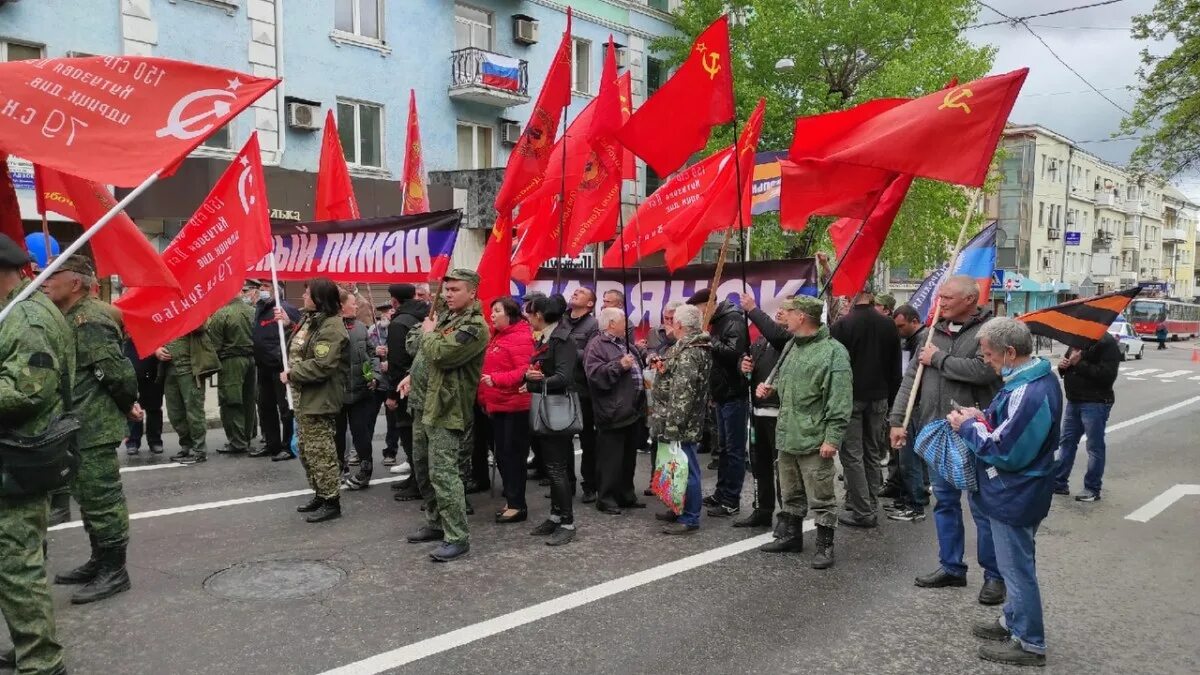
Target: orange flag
{"x":335,"y":193}
{"x":416,"y":197}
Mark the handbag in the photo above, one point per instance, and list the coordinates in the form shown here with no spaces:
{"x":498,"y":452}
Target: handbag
{"x":34,"y":465}
{"x":555,"y":414}
{"x":948,"y":455}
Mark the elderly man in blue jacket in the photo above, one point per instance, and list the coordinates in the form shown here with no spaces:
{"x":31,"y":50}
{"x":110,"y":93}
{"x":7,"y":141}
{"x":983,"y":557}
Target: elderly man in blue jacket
{"x":1014,"y":443}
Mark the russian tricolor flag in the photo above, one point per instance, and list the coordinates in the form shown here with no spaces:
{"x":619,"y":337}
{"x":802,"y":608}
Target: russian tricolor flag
{"x":441,"y":248}
{"x":501,"y":72}
{"x":977,"y":260}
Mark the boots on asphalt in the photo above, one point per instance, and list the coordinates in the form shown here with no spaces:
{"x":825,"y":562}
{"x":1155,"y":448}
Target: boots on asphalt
{"x":311,"y":505}
{"x":330,"y":508}
{"x":60,"y":508}
{"x":82,"y":574}
{"x":360,"y":479}
{"x":111,"y":577}
{"x":792,"y":540}
{"x":824,"y":556}
{"x":757,"y":518}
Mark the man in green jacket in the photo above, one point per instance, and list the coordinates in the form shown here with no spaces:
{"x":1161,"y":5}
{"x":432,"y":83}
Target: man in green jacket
{"x":444,"y":380}
{"x":189,"y":360}
{"x":815,"y":400}
{"x":105,"y":398}
{"x":230,"y":330}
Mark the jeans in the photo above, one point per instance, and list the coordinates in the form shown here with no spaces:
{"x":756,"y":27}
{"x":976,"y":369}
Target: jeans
{"x":511,"y":431}
{"x":1016,"y":553}
{"x":863,"y":450}
{"x":1078,"y":419}
{"x":948,"y":519}
{"x":912,"y":472}
{"x":731,"y":432}
{"x":693,"y":497}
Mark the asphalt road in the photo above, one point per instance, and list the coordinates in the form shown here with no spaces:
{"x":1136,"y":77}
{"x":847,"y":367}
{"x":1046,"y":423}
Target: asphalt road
{"x":1120,"y":595}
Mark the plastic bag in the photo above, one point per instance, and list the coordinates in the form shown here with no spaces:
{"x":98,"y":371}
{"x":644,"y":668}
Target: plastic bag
{"x":295,"y":440}
{"x":947,"y":454}
{"x":670,"y":476}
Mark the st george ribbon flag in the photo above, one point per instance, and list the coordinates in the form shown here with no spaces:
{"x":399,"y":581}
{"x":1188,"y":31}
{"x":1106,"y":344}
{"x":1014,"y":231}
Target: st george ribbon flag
{"x":119,"y":248}
{"x":390,"y":249}
{"x":209,"y":257}
{"x":977,"y":260}
{"x":1080,"y":323}
{"x":117,"y":119}
{"x":335,"y":191}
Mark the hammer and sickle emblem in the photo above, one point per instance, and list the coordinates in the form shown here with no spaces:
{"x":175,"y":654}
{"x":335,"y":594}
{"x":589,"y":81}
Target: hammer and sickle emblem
{"x":712,"y":64}
{"x":954,"y":99}
{"x":245,"y":180}
{"x":182,"y":128}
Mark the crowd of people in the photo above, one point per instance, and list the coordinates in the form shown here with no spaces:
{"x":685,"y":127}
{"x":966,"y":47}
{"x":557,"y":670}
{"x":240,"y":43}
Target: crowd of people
{"x":797,"y":403}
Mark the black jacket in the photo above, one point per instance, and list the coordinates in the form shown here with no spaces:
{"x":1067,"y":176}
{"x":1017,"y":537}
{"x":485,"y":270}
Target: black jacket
{"x":410,"y":313}
{"x":580,"y":331}
{"x":730,"y":342}
{"x":765,"y":357}
{"x":874,"y":347}
{"x":617,"y":394}
{"x":265,"y":334}
{"x":557,"y":356}
{"x":148,"y":369}
{"x":1091,"y":380}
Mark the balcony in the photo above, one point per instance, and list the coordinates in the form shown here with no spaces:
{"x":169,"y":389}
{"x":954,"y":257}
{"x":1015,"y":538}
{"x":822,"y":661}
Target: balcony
{"x":1106,"y":199}
{"x":488,"y":78}
{"x":1102,"y":242}
{"x":1174,"y":235}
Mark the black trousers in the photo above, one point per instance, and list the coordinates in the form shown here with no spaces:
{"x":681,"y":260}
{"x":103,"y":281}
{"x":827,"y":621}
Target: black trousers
{"x":587,"y":443}
{"x":359,"y":417}
{"x":274,"y":415}
{"x":481,"y":439}
{"x":392,"y":429}
{"x":616,"y":457}
{"x":762,"y":462}
{"x":150,"y":396}
{"x":511,"y":434}
{"x":559,"y":452}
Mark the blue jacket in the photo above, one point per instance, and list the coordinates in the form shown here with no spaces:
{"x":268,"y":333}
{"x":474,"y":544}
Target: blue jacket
{"x":1015,"y":446}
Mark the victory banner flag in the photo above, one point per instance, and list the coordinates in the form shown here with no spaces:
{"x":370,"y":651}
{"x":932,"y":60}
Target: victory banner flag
{"x":117,"y":119}
{"x":390,"y":249}
{"x":1079,"y":323}
{"x":335,"y":191}
{"x":209,"y":256}
{"x":416,"y":197}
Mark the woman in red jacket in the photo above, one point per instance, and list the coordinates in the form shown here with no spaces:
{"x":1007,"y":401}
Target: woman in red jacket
{"x":504,"y":365}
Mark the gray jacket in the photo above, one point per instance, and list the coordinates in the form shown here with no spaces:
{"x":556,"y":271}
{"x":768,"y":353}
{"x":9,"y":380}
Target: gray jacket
{"x":957,"y":374}
{"x":364,"y":364}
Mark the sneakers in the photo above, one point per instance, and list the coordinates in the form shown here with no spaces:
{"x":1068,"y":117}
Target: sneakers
{"x":449,"y":552}
{"x":425,"y":533}
{"x":855,"y":521}
{"x":131,"y":449}
{"x":156,"y":448}
{"x":561,"y":536}
{"x":1062,"y":491}
{"x":194,"y":458}
{"x":185,"y":452}
{"x":724,"y":511}
{"x":908,"y":515}
{"x":991,"y":630}
{"x":389,"y":460}
{"x":1087,"y":496}
{"x":546,"y":529}
{"x":399,"y":468}
{"x":282,"y":456}
{"x":711,"y":500}
{"x":1011,"y":653}
{"x":680,"y":529}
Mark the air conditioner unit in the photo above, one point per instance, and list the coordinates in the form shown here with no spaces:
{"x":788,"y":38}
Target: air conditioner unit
{"x":303,"y":116}
{"x":525,"y":30}
{"x":623,"y":58}
{"x":510,"y":132}
{"x":1052,"y":233}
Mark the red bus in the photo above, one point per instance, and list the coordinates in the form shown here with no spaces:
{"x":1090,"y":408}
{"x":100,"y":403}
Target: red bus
{"x":1182,"y":318}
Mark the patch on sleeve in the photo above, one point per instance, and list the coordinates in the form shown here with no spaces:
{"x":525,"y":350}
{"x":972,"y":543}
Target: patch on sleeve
{"x":321,"y":349}
{"x":41,"y":360}
{"x":464,"y":335}
{"x":99,"y":374}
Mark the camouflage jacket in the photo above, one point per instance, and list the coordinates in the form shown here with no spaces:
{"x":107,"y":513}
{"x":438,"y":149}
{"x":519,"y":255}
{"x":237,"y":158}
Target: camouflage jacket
{"x":816,"y":394}
{"x":192,"y":354}
{"x":105,"y":383}
{"x":319,"y":364}
{"x":230,"y":330}
{"x":679,"y":398}
{"x":418,"y":372}
{"x":453,"y":355}
{"x":36,"y":353}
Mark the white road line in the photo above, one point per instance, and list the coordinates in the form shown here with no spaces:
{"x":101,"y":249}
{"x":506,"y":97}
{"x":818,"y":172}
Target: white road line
{"x":1174,"y":373}
{"x":1144,"y":371}
{"x":506,"y":622}
{"x":1149,"y":416}
{"x":150,"y":467}
{"x":1168,"y":381}
{"x":1136,"y":379}
{"x":1193,"y":379}
{"x":1161,"y":502}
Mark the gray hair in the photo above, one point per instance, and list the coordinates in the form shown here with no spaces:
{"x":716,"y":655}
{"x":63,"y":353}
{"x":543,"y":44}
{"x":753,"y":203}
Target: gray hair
{"x":1004,"y":332}
{"x":689,"y":317}
{"x":610,"y":315}
{"x":965,"y":285}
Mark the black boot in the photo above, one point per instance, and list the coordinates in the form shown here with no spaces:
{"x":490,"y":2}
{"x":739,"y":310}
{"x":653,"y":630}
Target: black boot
{"x":82,"y":574}
{"x":312,"y":505}
{"x":362,"y":478}
{"x":824,"y":557}
{"x":330,"y":509}
{"x":792,"y":540}
{"x":111,"y":577}
{"x":60,"y":508}
{"x":757,"y":518}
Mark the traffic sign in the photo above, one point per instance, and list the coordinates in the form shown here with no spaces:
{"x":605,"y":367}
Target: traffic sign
{"x":997,"y":279}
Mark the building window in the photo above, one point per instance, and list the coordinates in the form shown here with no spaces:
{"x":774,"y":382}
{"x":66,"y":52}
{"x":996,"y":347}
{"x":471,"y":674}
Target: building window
{"x":1041,"y":214}
{"x":360,"y":128}
{"x":581,"y":66}
{"x":16,"y":51}
{"x":1129,"y":228}
{"x":360,"y":17}
{"x":653,"y":181}
{"x":472,"y":28}
{"x":475,"y":146}
{"x":656,"y":74}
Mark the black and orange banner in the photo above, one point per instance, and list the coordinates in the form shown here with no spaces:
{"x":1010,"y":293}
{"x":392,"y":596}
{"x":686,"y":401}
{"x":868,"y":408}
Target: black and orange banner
{"x":1079,"y":323}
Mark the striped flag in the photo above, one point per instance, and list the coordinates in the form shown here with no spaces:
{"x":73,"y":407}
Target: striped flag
{"x":1079,"y":323}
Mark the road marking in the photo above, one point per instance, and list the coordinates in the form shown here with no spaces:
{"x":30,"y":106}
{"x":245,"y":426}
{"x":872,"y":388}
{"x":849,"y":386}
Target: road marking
{"x":1193,"y":379}
{"x":1136,"y":379}
{"x":1174,"y":373}
{"x":1168,"y":381}
{"x":150,"y":467}
{"x":1149,"y":416}
{"x":1161,"y":502}
{"x":506,"y":622}
{"x":1145,"y":371}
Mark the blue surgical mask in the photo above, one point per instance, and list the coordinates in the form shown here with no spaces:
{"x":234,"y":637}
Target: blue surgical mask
{"x":1006,"y":371}
{"x":263,"y":295}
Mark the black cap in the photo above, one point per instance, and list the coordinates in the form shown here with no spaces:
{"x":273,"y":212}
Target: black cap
{"x":700,"y":297}
{"x":402,"y":292}
{"x":12,"y":254}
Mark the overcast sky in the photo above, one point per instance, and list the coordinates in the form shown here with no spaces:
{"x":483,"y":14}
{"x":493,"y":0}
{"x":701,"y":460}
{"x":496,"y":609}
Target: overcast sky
{"x":1096,"y":42}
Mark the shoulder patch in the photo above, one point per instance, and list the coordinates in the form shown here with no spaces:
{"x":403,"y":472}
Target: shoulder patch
{"x":41,"y":360}
{"x":321,"y":349}
{"x":464,"y":335}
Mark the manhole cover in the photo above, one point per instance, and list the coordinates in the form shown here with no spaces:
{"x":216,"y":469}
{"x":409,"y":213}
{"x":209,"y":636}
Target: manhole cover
{"x":274,"y":580}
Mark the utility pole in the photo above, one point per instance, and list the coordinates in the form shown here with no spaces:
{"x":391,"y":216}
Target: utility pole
{"x":1062,"y":264}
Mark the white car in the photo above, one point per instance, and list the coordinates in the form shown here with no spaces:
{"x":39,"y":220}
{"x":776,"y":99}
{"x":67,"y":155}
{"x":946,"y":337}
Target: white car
{"x":1131,"y":344}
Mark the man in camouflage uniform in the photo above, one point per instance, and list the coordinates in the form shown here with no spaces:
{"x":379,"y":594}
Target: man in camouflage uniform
{"x":37,"y":364}
{"x":105,"y":397}
{"x":230,"y":330}
{"x":189,"y":360}
{"x":443,"y":382}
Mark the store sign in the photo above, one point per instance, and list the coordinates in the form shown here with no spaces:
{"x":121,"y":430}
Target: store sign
{"x":21,"y":173}
{"x":284,"y":214}
{"x":1074,"y":238}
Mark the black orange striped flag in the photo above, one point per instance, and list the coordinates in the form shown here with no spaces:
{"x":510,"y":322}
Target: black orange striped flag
{"x":1079,"y":323}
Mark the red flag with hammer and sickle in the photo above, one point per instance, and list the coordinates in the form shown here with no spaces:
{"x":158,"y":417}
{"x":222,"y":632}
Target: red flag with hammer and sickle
{"x":335,"y":191}
{"x":117,"y":119}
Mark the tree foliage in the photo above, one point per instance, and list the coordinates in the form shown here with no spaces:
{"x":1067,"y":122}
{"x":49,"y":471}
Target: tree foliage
{"x":1168,"y":108}
{"x":845,"y":52}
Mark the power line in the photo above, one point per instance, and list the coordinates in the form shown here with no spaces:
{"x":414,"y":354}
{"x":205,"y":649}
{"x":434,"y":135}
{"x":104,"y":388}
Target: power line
{"x":1125,"y":29}
{"x":1077,"y":91}
{"x":1015,"y":20}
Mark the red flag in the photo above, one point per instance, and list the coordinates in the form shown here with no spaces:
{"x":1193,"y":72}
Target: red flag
{"x":119,"y":247}
{"x":950,"y":135}
{"x":416,"y":197}
{"x":335,"y":192}
{"x":228,"y":234}
{"x":608,"y":117}
{"x":676,"y":121}
{"x":117,"y":119}
{"x":814,"y":187}
{"x":527,"y":162}
{"x":858,"y":255}
{"x":537,"y":233}
{"x":495,"y":266}
{"x":718,"y":208}
{"x":10,"y":209}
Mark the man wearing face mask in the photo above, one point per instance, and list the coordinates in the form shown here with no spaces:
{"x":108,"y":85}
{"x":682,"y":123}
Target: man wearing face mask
{"x":274,"y":413}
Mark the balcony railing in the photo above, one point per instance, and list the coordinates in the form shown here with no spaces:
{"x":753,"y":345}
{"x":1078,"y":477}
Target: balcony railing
{"x":1174,"y":234}
{"x":485,"y":77}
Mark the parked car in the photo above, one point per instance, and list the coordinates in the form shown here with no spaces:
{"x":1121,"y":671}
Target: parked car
{"x":1131,"y":344}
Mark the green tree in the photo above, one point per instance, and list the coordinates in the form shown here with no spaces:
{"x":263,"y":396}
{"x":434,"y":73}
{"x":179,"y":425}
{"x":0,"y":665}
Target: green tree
{"x":845,"y":52}
{"x":1168,"y":108}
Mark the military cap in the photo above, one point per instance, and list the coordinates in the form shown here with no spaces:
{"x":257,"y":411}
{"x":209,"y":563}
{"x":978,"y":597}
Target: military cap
{"x":806,"y":304}
{"x":462,"y":274}
{"x":251,"y":284}
{"x":80,"y":264}
{"x":887,"y":300}
{"x":12,"y":256}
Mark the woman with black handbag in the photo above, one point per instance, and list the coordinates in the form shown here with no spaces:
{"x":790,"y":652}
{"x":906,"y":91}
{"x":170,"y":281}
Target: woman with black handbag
{"x":555,"y":415}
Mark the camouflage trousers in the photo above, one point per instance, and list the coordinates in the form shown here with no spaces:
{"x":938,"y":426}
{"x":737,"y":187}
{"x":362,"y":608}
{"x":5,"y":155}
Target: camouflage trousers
{"x":436,"y":455}
{"x":806,"y":483}
{"x":97,"y":489}
{"x":25,"y":598}
{"x":318,"y":454}
{"x":185,"y":409}
{"x":235,"y":395}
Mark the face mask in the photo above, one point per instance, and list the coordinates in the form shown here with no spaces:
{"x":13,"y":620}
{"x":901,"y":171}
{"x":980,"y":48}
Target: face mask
{"x":263,"y":295}
{"x":1006,"y":370}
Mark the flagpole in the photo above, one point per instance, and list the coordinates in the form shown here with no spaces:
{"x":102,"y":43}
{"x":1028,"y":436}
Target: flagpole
{"x":562,"y":207}
{"x":624,"y":269}
{"x":79,"y":243}
{"x":46,"y":237}
{"x":283,"y":348}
